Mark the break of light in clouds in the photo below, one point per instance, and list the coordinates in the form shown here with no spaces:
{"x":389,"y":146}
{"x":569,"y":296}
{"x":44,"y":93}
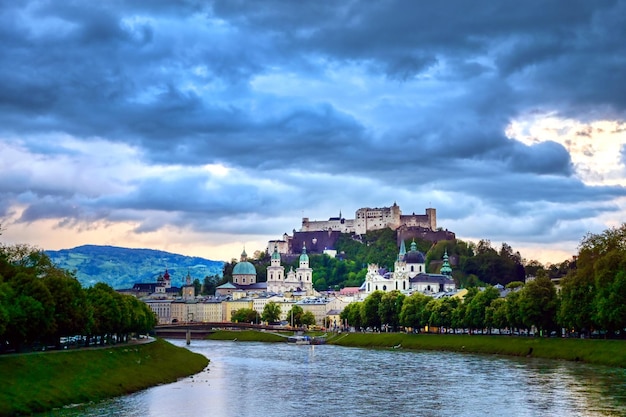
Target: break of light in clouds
{"x":201,"y":127}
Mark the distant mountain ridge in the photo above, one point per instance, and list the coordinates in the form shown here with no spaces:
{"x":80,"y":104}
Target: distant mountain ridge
{"x":123,"y":267}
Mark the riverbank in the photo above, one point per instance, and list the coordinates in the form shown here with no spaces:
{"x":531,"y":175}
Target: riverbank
{"x":598,"y":352}
{"x":594,"y":351}
{"x":248,"y":336}
{"x":47,"y":380}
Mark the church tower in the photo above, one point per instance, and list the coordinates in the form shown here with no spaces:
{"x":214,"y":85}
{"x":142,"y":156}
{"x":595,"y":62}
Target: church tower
{"x":304,"y":274}
{"x":275,"y":273}
{"x":189,"y":290}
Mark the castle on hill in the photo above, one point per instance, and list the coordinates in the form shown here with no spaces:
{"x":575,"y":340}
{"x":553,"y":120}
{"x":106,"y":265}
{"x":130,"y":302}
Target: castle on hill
{"x":367,"y":219}
{"x":320,"y":236}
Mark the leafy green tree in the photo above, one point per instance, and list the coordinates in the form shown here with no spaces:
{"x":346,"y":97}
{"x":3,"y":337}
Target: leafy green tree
{"x":390,"y":307}
{"x":31,"y":312}
{"x":369,"y":310}
{"x":320,"y":284}
{"x":412,"y":312}
{"x":307,"y":319}
{"x":495,"y":314}
{"x":577,"y":302}
{"x":294,"y":315}
{"x":197,"y":286}
{"x":601,"y":258}
{"x":477,"y":305}
{"x":610,"y":304}
{"x":107,"y":313}
{"x":538,"y":304}
{"x":210,"y":284}
{"x":352,"y":313}
{"x":5,"y":294}
{"x":493,"y":267}
{"x":512,"y":310}
{"x":245,"y":315}
{"x":271,"y":312}
{"x":534,"y":268}
{"x":441,"y":312}
{"x":71,"y":312}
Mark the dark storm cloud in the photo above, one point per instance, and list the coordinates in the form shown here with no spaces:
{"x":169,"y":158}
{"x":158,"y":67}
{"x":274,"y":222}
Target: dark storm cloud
{"x":177,"y":83}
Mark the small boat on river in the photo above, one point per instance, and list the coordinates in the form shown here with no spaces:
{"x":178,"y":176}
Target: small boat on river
{"x":307,"y":340}
{"x":299,"y":340}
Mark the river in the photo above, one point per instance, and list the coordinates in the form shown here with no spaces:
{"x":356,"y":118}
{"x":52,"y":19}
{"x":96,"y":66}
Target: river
{"x":261,"y":379}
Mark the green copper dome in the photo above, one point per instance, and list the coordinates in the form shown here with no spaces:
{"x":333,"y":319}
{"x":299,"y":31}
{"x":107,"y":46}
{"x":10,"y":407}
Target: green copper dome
{"x":276,"y":255}
{"x":244,"y":268}
{"x":304,"y":257}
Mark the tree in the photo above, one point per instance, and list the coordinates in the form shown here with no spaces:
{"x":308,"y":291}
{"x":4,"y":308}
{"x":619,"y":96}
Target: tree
{"x":512,"y":310}
{"x":210,"y":284}
{"x":320,"y":284}
{"x":602,"y":257}
{"x":610,"y":304}
{"x":495,"y":314}
{"x":412,"y":312}
{"x":294,"y":315}
{"x":107,"y":313}
{"x":538,"y":304}
{"x":440,"y":311}
{"x":577,"y":298}
{"x":307,"y":319}
{"x":271,"y":312}
{"x":477,"y":305}
{"x":390,"y":307}
{"x":352,"y":314}
{"x":369,"y":310}
{"x":245,"y":315}
{"x":71,"y":313}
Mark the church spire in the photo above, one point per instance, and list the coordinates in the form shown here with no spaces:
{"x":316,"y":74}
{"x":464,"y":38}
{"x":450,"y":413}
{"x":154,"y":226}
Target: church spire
{"x":445,"y":268}
{"x":402,"y":252}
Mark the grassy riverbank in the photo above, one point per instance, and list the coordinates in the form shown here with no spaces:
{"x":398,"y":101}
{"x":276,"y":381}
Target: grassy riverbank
{"x":247,"y":336}
{"x":43,"y":381}
{"x":599,"y":352}
{"x":596,"y":351}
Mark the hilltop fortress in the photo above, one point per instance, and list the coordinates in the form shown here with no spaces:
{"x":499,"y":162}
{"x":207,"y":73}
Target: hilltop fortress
{"x":321,"y":236}
{"x":367,"y":219}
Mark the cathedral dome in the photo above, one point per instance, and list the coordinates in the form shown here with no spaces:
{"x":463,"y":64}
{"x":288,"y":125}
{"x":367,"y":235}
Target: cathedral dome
{"x":244,"y":268}
{"x":416,"y":257}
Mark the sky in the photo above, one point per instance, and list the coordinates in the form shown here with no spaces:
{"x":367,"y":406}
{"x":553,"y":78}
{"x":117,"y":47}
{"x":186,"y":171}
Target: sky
{"x":203,"y":128}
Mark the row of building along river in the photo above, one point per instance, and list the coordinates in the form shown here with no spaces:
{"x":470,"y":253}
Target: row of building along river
{"x":263,"y":379}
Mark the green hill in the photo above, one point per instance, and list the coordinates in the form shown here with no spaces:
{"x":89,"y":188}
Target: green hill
{"x":123,"y":267}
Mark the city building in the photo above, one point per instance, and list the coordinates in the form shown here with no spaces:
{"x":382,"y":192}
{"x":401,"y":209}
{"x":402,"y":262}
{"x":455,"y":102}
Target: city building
{"x":409,"y":275}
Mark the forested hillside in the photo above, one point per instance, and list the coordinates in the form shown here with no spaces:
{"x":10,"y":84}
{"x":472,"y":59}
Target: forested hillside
{"x":123,"y":267}
{"x":472,"y":264}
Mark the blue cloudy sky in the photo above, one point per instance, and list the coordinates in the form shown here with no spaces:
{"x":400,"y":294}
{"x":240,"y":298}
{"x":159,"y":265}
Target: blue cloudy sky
{"x":201,"y":127}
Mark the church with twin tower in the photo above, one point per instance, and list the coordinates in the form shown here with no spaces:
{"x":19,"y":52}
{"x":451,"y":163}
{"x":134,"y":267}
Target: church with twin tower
{"x":299,"y":280}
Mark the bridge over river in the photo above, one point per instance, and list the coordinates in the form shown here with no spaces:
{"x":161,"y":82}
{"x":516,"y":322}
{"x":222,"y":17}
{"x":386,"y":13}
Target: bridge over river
{"x":201,"y":330}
